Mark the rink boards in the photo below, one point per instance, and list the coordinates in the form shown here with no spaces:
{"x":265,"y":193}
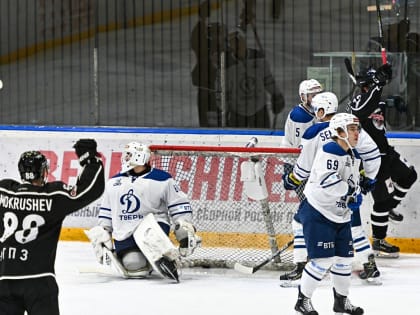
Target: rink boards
{"x":56,"y":143}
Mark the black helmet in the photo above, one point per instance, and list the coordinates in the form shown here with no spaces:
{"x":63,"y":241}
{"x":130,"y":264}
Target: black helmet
{"x":365,"y":77}
{"x":32,"y":165}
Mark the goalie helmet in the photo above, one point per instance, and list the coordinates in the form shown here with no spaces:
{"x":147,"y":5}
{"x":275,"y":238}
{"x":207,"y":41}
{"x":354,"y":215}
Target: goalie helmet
{"x":32,"y":166}
{"x":310,"y":86}
{"x":341,"y":121}
{"x":327,"y":101}
{"x":134,"y":154}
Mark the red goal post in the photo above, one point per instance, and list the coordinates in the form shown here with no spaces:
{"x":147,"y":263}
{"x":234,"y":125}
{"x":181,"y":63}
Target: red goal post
{"x":232,"y":226}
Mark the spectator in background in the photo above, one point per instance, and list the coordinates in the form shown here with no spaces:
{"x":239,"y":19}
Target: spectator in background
{"x":248,"y":81}
{"x":207,"y":43}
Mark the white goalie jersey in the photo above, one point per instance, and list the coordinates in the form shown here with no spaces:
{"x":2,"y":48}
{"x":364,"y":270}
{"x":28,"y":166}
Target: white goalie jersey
{"x":128,"y":199}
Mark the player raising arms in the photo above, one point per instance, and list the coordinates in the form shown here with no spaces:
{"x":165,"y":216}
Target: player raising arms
{"x":331,"y":191}
{"x":301,"y":116}
{"x":32,"y":213}
{"x":139,"y":206}
{"x":396,"y":175}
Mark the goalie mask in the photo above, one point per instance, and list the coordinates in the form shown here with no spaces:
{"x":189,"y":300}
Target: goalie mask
{"x":134,"y":154}
{"x":32,"y":166}
{"x":341,"y":122}
{"x":327,"y":101}
{"x":310,"y":86}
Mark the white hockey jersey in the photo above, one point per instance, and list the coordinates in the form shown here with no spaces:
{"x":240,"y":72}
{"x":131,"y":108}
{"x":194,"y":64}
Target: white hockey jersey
{"x":319,"y":134}
{"x":298,"y":120}
{"x":127,"y":199}
{"x":333,"y":172}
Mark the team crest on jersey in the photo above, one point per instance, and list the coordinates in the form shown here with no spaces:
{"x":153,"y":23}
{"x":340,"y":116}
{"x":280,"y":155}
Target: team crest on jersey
{"x":130,"y":202}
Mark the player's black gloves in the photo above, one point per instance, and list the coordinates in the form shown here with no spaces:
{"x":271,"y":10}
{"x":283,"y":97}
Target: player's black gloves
{"x":383,"y":73}
{"x":86,"y":151}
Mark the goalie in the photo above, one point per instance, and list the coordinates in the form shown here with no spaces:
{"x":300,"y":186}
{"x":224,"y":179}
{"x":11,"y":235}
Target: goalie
{"x":138,"y":207}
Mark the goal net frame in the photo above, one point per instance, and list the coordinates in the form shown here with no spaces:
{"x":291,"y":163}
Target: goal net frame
{"x":233,"y":227}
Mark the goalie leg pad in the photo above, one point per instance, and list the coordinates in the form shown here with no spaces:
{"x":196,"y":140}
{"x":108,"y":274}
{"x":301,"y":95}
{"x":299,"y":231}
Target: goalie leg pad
{"x":154,"y":243}
{"x":134,"y":260}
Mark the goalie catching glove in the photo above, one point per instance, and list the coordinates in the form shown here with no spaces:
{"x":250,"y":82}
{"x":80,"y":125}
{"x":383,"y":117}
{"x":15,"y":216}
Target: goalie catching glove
{"x":188,"y":240}
{"x":100,"y":238}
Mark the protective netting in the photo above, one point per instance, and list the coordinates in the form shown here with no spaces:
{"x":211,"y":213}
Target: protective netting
{"x":233,"y":227}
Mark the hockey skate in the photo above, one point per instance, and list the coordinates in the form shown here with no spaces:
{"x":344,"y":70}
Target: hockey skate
{"x":370,"y":272}
{"x":395,"y":216}
{"x":168,"y":268}
{"x":382,"y":248}
{"x":304,"y":305}
{"x":343,"y":306}
{"x":291,"y":279}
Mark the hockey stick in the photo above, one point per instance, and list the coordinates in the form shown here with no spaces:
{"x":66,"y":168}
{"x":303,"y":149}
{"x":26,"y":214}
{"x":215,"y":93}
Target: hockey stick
{"x":350,"y":70}
{"x":380,"y":32}
{"x":250,"y":270}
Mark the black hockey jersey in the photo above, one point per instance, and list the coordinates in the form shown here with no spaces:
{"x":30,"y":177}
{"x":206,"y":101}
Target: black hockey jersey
{"x":367,"y":107}
{"x":31,"y":218}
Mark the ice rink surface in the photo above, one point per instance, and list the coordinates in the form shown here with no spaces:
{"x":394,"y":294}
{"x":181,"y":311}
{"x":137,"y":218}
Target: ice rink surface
{"x":221,"y":291}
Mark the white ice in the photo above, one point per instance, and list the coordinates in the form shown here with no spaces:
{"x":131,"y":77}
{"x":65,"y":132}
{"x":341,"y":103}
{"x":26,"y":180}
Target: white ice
{"x":220,"y":291}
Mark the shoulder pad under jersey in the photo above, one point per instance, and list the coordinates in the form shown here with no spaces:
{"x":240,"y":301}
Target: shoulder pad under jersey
{"x":334,"y":148}
{"x":314,"y":130}
{"x":158,"y":175}
{"x":301,"y":115}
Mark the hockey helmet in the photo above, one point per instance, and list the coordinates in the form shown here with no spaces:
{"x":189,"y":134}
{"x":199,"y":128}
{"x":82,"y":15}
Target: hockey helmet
{"x":327,"y":101}
{"x":341,"y":121}
{"x":365,"y":76}
{"x":32,"y":166}
{"x":134,"y":154}
{"x":310,"y":86}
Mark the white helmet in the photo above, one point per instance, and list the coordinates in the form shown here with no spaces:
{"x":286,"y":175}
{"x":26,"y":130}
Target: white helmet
{"x":327,"y":101}
{"x":342,"y":121}
{"x":309,"y":87}
{"x":134,"y":154}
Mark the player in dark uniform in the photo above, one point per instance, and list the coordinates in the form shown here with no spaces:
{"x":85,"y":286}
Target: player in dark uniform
{"x":395,"y":171}
{"x":31,"y":215}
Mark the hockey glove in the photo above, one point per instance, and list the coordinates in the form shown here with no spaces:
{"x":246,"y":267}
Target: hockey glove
{"x":100,"y":238}
{"x":383,"y":73}
{"x":188,"y":240}
{"x":86,"y":151}
{"x":366,"y":184}
{"x":355,"y":202}
{"x":290,"y":182}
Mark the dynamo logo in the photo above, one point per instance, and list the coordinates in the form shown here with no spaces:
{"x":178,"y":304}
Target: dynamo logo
{"x":130,"y":202}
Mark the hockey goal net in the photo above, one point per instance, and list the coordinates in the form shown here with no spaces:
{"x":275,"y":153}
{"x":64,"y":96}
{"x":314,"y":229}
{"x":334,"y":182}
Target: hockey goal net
{"x":233,"y":227}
